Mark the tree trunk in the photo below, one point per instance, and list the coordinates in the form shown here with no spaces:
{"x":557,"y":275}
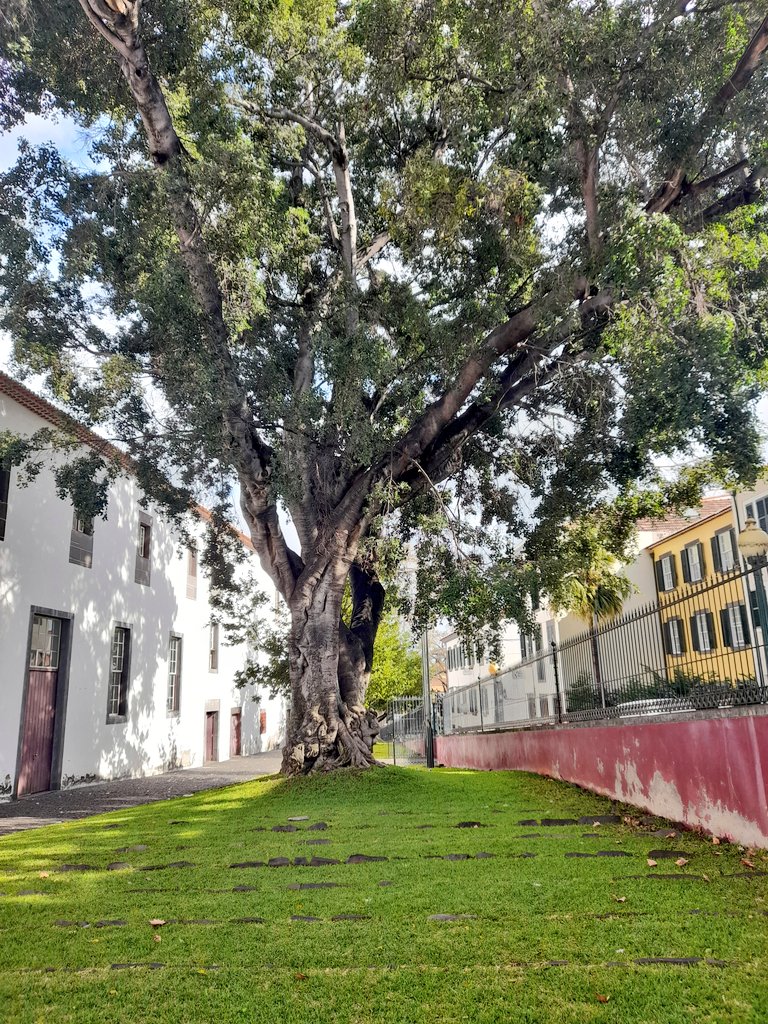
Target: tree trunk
{"x":330,"y":664}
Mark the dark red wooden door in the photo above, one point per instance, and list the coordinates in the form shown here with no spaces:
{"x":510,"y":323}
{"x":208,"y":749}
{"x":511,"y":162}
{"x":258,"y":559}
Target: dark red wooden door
{"x":211,"y":735}
{"x":235,"y":741}
{"x":40,"y":706}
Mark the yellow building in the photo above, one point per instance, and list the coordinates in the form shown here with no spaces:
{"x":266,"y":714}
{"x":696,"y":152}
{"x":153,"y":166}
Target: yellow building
{"x":705,"y":619}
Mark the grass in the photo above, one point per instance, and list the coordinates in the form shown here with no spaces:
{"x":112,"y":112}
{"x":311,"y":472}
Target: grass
{"x":397,"y":966}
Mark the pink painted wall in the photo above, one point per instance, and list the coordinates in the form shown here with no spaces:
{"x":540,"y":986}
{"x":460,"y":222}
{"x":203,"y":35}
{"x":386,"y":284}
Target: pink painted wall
{"x":710,"y":773}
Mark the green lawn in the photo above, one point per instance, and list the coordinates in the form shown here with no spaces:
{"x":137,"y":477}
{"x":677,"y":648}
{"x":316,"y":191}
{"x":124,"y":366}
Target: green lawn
{"x":394,"y":965}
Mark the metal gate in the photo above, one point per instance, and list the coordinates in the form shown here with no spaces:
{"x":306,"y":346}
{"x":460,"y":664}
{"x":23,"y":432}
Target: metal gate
{"x":403,"y":731}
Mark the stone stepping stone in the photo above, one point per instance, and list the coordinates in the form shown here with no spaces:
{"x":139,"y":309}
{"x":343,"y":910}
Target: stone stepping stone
{"x":666,"y":833}
{"x":601,"y":853}
{"x":384,"y":883}
{"x":284,"y":828}
{"x":119,"y":865}
{"x":451,"y":917}
{"x":556,"y":822}
{"x":248,"y":864}
{"x":456,"y":856}
{"x":111,"y":924}
{"x":315,"y":885}
{"x":136,"y":848}
{"x":528,"y":821}
{"x":530,"y":835}
{"x":300,"y":862}
{"x":321,"y":862}
{"x":247,"y":920}
{"x":108,"y":827}
{"x":747,"y":874}
{"x":127,"y":967}
{"x":668,"y":854}
{"x":259,"y":828}
{"x":279,"y":862}
{"x":319,"y":826}
{"x":603,"y":819}
{"x":77,"y":867}
{"x":351,"y":917}
{"x":28,"y":892}
{"x":484,"y":856}
{"x":523,"y":856}
{"x":180,"y":821}
{"x":590,"y":835}
{"x":471,"y":824}
{"x":363,"y":858}
{"x":299,"y":817}
{"x":243,"y":888}
{"x":318,"y":842}
{"x":305,"y":920}
{"x":72,"y":924}
{"x":557,"y":963}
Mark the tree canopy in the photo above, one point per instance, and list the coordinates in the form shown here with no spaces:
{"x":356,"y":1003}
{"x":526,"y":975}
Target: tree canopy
{"x":455,"y":271}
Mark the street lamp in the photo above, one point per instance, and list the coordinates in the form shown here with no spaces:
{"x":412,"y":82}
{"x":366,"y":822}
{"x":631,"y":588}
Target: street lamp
{"x":753,"y":544}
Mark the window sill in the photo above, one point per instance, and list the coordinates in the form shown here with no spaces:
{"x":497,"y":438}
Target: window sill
{"x":117,"y":719}
{"x":173,"y":714}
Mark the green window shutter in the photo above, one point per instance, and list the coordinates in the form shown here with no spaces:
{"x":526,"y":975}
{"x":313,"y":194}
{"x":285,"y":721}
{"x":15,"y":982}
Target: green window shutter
{"x":659,"y":577}
{"x":666,"y":637}
{"x":695,"y":634}
{"x":711,"y":630}
{"x":745,"y":622}
{"x":702,"y":561}
{"x":725,"y":627}
{"x":681,"y":634}
{"x":685,"y":565}
{"x":718,"y":565}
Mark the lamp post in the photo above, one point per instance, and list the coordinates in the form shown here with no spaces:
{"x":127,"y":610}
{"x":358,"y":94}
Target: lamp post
{"x":753,"y":544}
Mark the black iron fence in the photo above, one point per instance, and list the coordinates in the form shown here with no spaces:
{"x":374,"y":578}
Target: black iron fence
{"x":700,"y":646}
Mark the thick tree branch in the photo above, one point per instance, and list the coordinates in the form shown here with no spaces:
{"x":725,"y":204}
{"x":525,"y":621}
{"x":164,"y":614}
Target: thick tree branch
{"x":118,"y":22}
{"x":674,"y":187}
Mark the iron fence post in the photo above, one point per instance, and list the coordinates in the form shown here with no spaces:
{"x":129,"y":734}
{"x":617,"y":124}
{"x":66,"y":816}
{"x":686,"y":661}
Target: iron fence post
{"x":758,"y":564}
{"x":429,"y":746}
{"x":553,"y":644}
{"x":480,"y":704}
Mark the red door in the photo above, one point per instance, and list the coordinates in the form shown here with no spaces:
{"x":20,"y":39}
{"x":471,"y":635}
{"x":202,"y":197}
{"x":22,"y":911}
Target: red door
{"x":235,"y":742}
{"x":40,"y":706}
{"x":211,"y":735}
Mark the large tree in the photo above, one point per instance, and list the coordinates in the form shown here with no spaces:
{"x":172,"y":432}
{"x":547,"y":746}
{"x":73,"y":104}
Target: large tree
{"x":339,"y":252}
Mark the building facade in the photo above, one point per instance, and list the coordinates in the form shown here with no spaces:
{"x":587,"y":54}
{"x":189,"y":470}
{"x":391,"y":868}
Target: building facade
{"x":110,"y":664}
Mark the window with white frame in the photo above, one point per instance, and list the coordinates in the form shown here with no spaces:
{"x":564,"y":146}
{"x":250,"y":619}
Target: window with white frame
{"x":695,"y":566}
{"x":173,"y":701}
{"x":117,"y":698}
{"x":758,"y":510}
{"x":667,"y":577}
{"x":724,"y":540}
{"x":736,"y":625}
{"x":675,"y":637}
{"x":213,"y":648}
{"x":703,"y":634}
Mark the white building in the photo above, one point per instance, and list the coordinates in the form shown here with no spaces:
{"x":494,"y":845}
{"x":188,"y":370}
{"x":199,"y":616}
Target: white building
{"x":109,"y":663}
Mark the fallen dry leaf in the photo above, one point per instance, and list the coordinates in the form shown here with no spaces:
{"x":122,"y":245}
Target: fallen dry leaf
{"x":715,"y":841}
{"x":300,"y":977}
{"x":747,"y":862}
{"x":706,"y":878}
{"x":671,"y":835}
{"x":595,"y":824}
{"x":651,"y":863}
{"x":601,"y":999}
{"x":681,"y":862}
{"x":620,"y":899}
{"x":157,"y":938}
{"x":45,"y":874}
{"x":157,"y":922}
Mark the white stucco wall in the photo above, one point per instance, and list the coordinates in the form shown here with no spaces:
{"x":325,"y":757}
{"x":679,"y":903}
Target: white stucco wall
{"x":35,"y":571}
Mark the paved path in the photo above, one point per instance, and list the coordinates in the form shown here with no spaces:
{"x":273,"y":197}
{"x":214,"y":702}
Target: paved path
{"x":81,"y":801}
